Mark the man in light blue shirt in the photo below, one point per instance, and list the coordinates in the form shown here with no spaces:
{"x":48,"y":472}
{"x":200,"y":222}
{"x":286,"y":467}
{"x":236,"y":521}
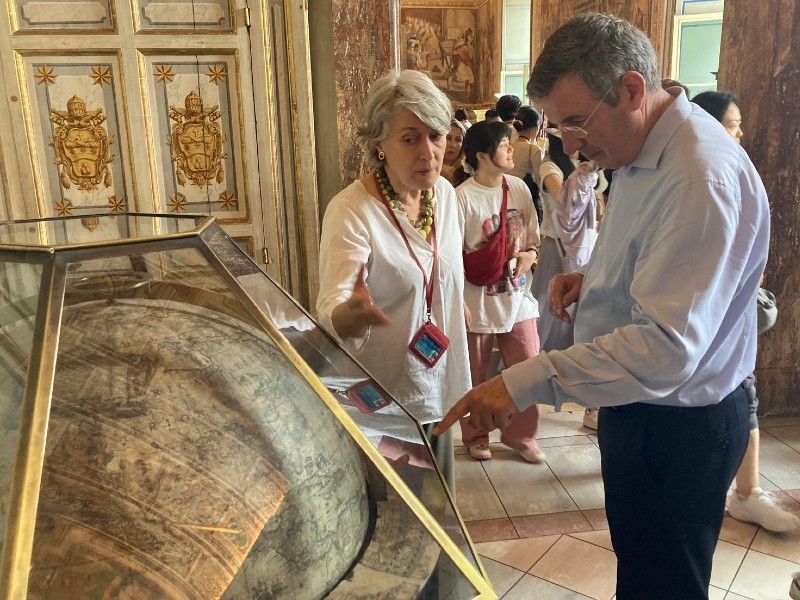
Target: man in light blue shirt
{"x":665,"y":328}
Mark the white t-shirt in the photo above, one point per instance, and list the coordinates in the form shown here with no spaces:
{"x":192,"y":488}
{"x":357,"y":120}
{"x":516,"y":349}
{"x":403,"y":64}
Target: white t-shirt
{"x":356,"y":230}
{"x":527,"y":159}
{"x":497,"y":307}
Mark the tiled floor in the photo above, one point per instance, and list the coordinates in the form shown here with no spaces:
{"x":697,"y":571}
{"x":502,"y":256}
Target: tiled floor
{"x":541,"y":529}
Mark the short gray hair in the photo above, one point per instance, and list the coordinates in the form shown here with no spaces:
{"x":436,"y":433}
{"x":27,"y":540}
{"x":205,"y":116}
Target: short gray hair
{"x":408,"y":89}
{"x":599,"y":49}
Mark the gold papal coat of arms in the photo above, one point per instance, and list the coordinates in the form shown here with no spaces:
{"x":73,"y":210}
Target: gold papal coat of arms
{"x":196,"y":142}
{"x":81,"y":145}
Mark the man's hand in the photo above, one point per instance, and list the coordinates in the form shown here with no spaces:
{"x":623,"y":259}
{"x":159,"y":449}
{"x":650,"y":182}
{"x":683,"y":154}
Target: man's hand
{"x":489,"y":406}
{"x":563,"y":291}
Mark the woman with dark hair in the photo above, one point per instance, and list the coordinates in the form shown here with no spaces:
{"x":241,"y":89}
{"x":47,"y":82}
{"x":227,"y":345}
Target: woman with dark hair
{"x":461,"y":115}
{"x":452,"y":169}
{"x":503,"y":310}
{"x":722,"y":106}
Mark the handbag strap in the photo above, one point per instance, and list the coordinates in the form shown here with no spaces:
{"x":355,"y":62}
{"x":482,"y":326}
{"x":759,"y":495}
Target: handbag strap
{"x":503,"y":207}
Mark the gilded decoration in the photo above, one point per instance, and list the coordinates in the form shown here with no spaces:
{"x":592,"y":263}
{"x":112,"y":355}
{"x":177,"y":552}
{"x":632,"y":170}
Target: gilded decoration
{"x":177,"y":203}
{"x":196,"y":142}
{"x":81,"y":145}
{"x":45,"y":75}
{"x":164,"y":74}
{"x":227,"y":200}
{"x":216,"y":73}
{"x":101,"y":75}
{"x":64,"y":208}
{"x":116,"y":205}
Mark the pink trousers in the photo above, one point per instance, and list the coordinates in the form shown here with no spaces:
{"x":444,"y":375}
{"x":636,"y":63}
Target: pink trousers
{"x":520,"y":343}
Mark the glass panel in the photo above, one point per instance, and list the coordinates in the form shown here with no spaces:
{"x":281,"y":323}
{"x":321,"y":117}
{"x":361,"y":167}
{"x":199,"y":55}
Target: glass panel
{"x":187,"y":457}
{"x":393,"y":431}
{"x":107,"y":228}
{"x":19,"y":287}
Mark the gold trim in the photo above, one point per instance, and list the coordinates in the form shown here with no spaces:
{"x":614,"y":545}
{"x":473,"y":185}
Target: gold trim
{"x":268,"y":35}
{"x":34,"y":416}
{"x":27,"y":119}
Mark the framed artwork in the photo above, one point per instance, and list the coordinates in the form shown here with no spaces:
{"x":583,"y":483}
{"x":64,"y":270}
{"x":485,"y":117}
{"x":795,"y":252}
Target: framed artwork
{"x":441,"y":42}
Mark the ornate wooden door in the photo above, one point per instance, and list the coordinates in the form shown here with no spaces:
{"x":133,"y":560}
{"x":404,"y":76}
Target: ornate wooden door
{"x":147,"y":106}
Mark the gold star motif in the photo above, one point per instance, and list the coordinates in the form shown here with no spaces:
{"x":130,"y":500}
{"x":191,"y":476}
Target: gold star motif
{"x":101,"y":75}
{"x":177,"y":203}
{"x":164,"y":74}
{"x":216,"y":73}
{"x":116,"y":204}
{"x":227,"y":200}
{"x":45,"y":75}
{"x":64,"y":208}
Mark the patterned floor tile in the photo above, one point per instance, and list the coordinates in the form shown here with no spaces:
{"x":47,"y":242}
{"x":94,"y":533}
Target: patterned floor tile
{"x":538,"y":525}
{"x":475,"y":496}
{"x":598,"y":538}
{"x":491,"y":530}
{"x":577,"y":469}
{"x":781,"y":545}
{"x":502,"y":577}
{"x":779,"y":462}
{"x":727,"y":560}
{"x":530,"y":588}
{"x":526,"y":489}
{"x":597,"y":518}
{"x":520,"y":554}
{"x":763,"y":577}
{"x":579,"y":566}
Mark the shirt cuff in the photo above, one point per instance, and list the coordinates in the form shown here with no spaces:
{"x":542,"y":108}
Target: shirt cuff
{"x":527,"y":384}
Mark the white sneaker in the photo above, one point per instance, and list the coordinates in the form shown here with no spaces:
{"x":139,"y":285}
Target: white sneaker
{"x":794,"y":588}
{"x":480,"y":452}
{"x":760,"y":508}
{"x":532,"y":456}
{"x":590,"y":418}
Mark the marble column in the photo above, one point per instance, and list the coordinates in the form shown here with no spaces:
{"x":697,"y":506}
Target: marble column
{"x":758,"y":62}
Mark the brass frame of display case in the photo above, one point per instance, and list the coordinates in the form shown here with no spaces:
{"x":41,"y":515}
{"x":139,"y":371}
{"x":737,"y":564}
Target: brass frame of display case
{"x":34,"y":413}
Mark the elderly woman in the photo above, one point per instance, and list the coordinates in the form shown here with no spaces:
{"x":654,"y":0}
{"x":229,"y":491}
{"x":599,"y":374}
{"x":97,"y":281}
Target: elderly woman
{"x":390,"y":257}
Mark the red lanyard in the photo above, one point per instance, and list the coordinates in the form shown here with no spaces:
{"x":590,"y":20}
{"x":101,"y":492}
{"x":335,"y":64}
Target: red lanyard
{"x":428,"y":282}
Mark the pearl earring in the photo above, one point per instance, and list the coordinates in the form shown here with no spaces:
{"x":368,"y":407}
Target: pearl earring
{"x":381,"y":155}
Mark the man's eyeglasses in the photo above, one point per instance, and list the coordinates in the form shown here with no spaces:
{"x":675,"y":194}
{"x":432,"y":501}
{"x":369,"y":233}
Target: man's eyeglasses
{"x":575,"y":130}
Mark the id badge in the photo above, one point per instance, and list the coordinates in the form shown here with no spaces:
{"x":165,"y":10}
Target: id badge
{"x":429,"y":344}
{"x":367,"y":396}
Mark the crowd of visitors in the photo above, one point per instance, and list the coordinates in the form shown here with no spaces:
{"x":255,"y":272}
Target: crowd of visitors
{"x":499,"y":237}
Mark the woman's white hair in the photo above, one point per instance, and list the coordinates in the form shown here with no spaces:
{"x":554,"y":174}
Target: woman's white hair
{"x":407,"y":89}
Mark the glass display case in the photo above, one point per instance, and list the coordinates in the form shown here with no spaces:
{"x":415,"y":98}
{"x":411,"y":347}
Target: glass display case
{"x":175,"y":426}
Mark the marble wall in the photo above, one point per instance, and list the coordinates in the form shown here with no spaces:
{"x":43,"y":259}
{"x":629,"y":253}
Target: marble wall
{"x":651,"y":16}
{"x":363,"y":51}
{"x":764,"y":72}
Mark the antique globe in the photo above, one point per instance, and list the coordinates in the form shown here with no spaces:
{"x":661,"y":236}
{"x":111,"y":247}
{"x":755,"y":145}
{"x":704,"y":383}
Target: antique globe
{"x":175,"y":426}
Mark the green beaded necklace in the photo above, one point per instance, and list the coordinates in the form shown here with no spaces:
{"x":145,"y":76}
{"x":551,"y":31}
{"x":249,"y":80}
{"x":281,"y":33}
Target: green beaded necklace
{"x":423,"y":224}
